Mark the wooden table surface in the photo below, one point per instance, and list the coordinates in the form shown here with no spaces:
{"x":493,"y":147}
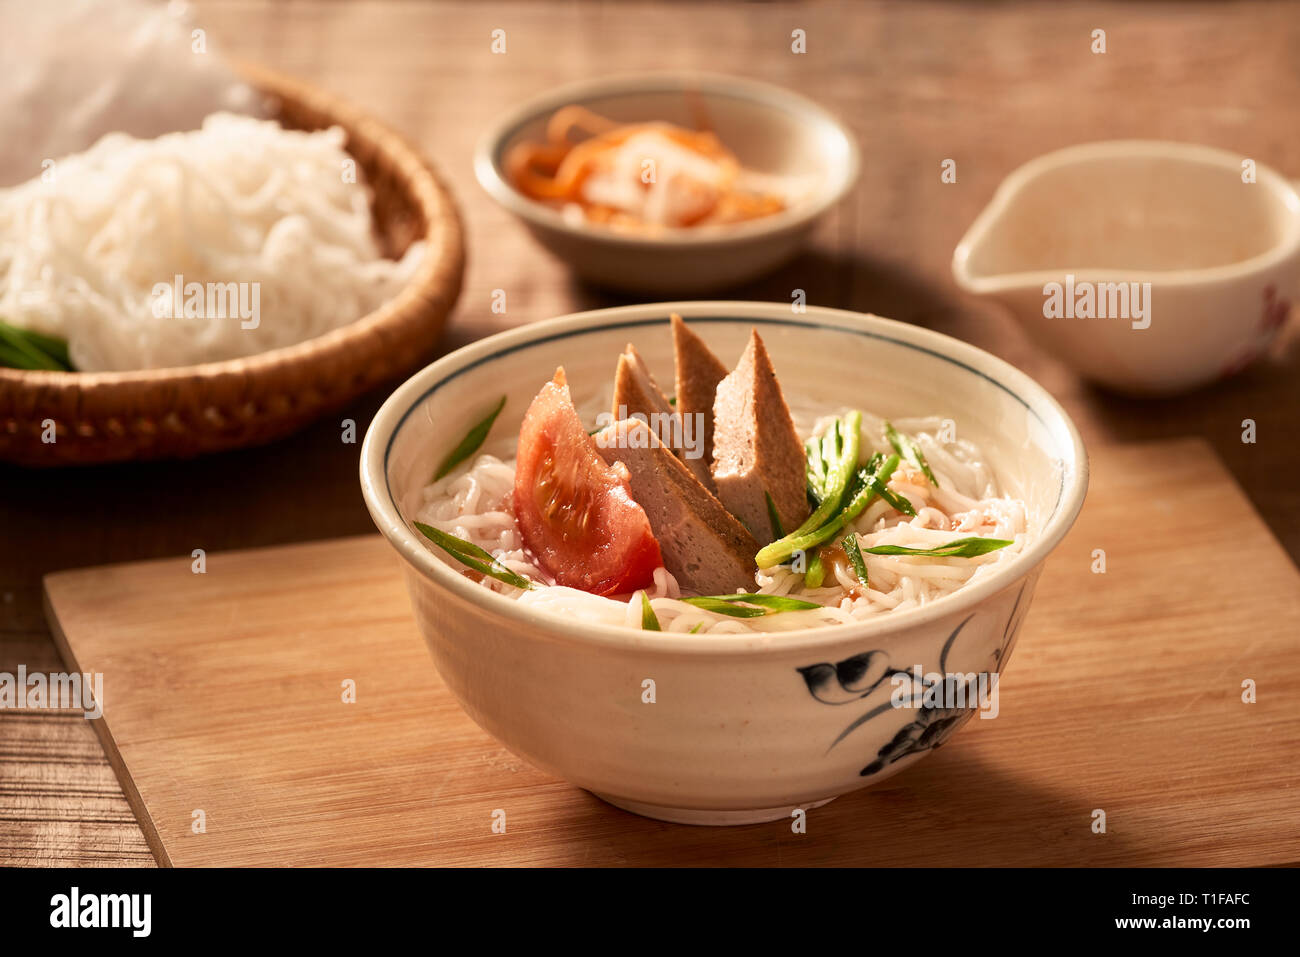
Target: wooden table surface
{"x":989,"y":87}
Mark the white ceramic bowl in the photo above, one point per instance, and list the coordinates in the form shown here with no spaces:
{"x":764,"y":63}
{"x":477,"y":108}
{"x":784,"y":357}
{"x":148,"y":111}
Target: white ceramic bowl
{"x":743,"y":728}
{"x":1215,"y":258}
{"x":770,"y":130}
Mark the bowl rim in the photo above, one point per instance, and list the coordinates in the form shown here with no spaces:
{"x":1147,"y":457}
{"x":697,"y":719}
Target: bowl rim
{"x":488,"y":171}
{"x":394,"y":412}
{"x":1173,"y":150}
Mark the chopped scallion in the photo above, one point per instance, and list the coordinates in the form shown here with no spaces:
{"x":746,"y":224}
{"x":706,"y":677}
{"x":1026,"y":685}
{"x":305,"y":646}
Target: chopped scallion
{"x":906,"y":446}
{"x":767,"y":604}
{"x":850,"y":544}
{"x":809,"y":536}
{"x":960,"y":548}
{"x":469,"y":554}
{"x":649,"y":620}
{"x":32,"y":351}
{"x":470,"y":443}
{"x":816,"y":573}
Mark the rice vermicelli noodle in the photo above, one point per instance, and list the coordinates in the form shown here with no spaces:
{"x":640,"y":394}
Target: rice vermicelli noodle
{"x":91,"y":253}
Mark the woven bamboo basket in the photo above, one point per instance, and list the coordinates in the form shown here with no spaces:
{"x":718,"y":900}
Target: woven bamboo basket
{"x":173,"y":413}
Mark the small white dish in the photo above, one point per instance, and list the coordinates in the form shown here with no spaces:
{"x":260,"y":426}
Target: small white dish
{"x":744,"y":728}
{"x":1213,"y":258}
{"x":771,"y":131}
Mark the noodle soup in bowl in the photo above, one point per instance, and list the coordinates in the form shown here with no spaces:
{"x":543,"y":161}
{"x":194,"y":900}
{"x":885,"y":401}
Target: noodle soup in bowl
{"x":732,"y":725}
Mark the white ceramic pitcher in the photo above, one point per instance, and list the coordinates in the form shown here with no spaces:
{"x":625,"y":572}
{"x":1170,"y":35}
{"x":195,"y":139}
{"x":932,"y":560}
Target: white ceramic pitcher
{"x":1149,"y":267}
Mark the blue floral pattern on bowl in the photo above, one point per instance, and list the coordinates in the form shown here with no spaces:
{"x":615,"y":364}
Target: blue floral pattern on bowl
{"x":858,"y":676}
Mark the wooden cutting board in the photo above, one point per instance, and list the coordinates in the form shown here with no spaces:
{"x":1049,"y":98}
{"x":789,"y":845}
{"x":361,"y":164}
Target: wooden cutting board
{"x":223,"y":695}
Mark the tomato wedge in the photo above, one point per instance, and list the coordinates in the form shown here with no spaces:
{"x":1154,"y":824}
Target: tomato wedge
{"x":575,"y":513}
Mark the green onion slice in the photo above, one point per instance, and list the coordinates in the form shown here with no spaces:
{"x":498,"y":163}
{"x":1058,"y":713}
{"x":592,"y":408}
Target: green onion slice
{"x":721,"y":607}
{"x":850,"y":544}
{"x":57,"y":349}
{"x":767,"y":604}
{"x":897,"y":502}
{"x":815,"y":471}
{"x":470,"y":443}
{"x":960,"y":548}
{"x":649,"y":620}
{"x":906,"y":446}
{"x":469,"y":554}
{"x":780,"y":551}
{"x":816,"y":572}
{"x":24,"y":349}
